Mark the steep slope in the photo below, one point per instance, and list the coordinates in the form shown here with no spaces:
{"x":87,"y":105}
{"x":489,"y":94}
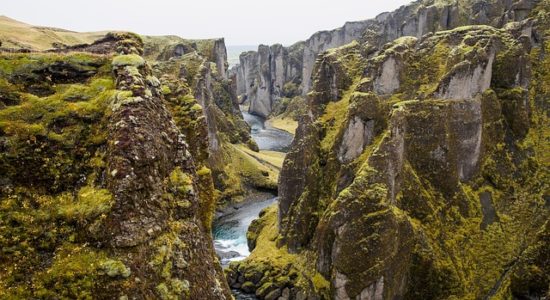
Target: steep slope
{"x":101,"y":196}
{"x":263,"y":75}
{"x":420,"y":171}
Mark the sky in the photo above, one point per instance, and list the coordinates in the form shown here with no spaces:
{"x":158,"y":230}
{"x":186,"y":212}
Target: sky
{"x":240,"y":22}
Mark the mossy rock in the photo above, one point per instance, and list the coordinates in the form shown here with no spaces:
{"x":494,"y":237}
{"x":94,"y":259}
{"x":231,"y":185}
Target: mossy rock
{"x":133,"y":60}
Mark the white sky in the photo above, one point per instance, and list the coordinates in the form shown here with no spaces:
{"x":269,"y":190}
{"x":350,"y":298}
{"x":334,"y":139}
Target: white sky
{"x":241,"y":22}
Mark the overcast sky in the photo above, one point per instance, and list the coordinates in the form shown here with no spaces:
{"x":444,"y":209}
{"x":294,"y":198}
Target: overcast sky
{"x":241,"y":22}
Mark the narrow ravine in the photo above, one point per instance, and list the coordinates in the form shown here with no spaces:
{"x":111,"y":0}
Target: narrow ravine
{"x":229,"y":230}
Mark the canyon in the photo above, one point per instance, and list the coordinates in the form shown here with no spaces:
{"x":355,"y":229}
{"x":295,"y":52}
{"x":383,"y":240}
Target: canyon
{"x":401,"y":157}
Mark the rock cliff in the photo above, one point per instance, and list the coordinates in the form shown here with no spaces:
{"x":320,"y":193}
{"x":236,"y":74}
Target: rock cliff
{"x":190,"y":76}
{"x":420,"y":169}
{"x":265,"y":76}
{"x":260,"y":79}
{"x":102,"y":195}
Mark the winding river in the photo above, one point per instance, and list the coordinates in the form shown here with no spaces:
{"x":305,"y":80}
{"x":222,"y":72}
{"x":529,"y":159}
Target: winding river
{"x":230,"y":228}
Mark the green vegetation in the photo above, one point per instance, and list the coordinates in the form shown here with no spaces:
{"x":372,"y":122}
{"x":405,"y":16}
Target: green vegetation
{"x":270,"y":267}
{"x":406,"y":205}
{"x":247,"y":169}
{"x":18,"y":35}
{"x":133,"y":60}
{"x":51,"y":142}
{"x":64,"y":127}
{"x":168,"y":250}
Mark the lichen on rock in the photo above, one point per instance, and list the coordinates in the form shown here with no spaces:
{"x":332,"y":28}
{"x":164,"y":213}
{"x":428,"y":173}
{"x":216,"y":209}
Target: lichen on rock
{"x":98,"y":186}
{"x":411,"y":175}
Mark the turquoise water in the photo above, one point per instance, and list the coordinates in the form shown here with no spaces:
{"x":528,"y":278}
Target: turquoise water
{"x":233,"y":52}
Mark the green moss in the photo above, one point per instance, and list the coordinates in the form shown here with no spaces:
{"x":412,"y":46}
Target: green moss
{"x":167,"y":257}
{"x":133,"y":60}
{"x":207,"y":196}
{"x":204,"y":171}
{"x":333,"y":119}
{"x":196,"y":107}
{"x":424,"y":71}
{"x":320,"y":283}
{"x":76,"y":272}
{"x":52,"y":160}
{"x":244,"y":170}
{"x":19,"y":63}
{"x":166,"y":90}
{"x":50,"y":138}
{"x":180,"y":182}
{"x":72,"y":274}
{"x":115,"y":268}
{"x":173,"y":290}
{"x":89,"y":203}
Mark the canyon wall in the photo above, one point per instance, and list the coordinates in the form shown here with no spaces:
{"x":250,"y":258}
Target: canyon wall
{"x":102,"y":194}
{"x":419,"y":171}
{"x":260,"y":80}
{"x":264,"y":76}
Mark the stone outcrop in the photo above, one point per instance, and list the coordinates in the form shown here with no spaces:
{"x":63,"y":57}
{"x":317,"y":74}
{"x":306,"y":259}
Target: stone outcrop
{"x":163,"y":48}
{"x":420,"y":162}
{"x":101,"y":194}
{"x":259,"y":79}
{"x":262,"y":75}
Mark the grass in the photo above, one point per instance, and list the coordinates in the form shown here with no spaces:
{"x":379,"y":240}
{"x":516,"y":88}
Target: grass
{"x":15,"y":34}
{"x":253,"y":168}
{"x":128,"y":60}
{"x":247,"y":169}
{"x":266,"y":157}
{"x":287,"y":124}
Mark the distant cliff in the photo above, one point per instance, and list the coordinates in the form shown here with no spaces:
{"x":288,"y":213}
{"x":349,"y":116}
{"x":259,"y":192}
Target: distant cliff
{"x":263,"y":74}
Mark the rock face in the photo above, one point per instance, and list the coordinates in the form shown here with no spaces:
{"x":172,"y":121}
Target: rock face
{"x":163,"y":48}
{"x":420,"y":162}
{"x":102,"y":195}
{"x":261,"y":76}
{"x":196,"y":78}
{"x":259,"y":79}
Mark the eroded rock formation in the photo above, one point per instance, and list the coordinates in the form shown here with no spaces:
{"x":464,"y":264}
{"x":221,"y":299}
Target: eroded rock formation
{"x":101,"y":195}
{"x":260,"y":79}
{"x":420,"y":163}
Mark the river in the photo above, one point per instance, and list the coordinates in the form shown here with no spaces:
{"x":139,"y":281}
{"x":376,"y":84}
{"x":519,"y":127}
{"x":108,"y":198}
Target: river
{"x":267,"y":137}
{"x":229,"y":230}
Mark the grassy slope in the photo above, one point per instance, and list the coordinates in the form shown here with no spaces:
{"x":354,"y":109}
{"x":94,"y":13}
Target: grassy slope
{"x":287,"y":124}
{"x":15,"y":34}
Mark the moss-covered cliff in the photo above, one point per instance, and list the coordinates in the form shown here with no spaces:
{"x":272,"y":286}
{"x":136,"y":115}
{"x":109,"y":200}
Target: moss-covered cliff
{"x":265,"y":77}
{"x":101,"y":195}
{"x":194,"y":82}
{"x":420,"y":172}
